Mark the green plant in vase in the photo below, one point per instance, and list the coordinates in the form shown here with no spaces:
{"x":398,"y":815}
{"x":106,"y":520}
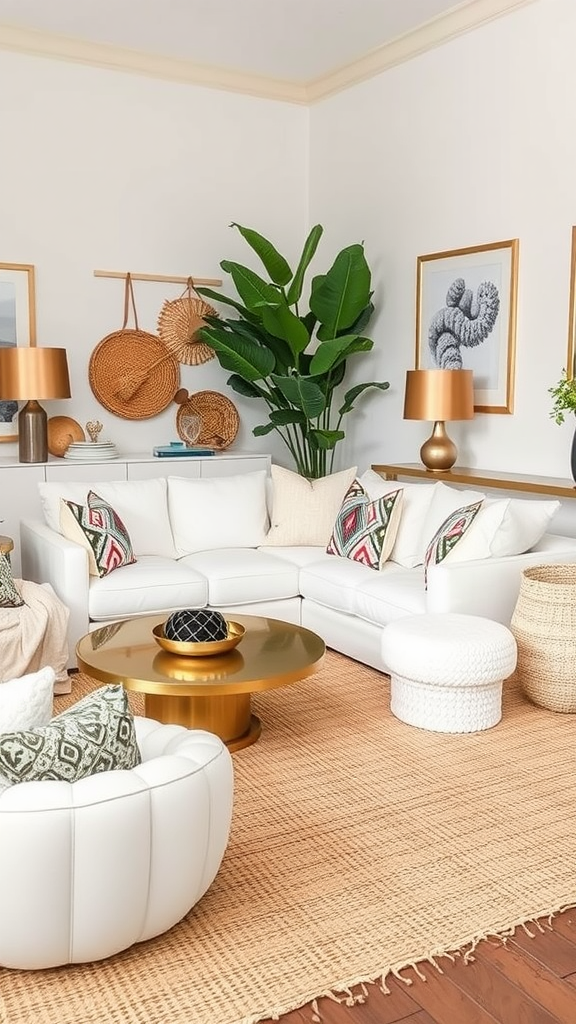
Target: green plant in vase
{"x":295,"y":359}
{"x":564,"y":395}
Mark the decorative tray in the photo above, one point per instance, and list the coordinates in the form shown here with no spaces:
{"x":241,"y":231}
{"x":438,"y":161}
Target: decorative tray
{"x":190,"y":649}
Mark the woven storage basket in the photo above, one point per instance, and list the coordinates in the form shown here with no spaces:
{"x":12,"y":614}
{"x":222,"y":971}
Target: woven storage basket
{"x":178,"y":324}
{"x":544,"y":624}
{"x":131,"y":372}
{"x":219,"y":416}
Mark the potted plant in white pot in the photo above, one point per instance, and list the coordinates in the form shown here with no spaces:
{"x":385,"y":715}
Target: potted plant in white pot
{"x":564,"y":401}
{"x":294,"y":358}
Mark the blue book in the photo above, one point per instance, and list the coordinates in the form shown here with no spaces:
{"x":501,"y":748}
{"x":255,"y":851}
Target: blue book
{"x":178,"y":448}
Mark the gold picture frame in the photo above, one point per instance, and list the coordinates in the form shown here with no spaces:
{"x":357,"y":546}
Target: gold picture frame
{"x":571,"y":353}
{"x":466,"y":302}
{"x":17,"y":327}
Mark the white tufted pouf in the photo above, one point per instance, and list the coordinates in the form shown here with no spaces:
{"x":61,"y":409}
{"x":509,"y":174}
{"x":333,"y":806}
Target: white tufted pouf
{"x":447,"y":670}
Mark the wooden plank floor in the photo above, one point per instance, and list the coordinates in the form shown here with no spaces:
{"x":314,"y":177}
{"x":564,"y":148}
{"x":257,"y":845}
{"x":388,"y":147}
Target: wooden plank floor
{"x":527,"y":981}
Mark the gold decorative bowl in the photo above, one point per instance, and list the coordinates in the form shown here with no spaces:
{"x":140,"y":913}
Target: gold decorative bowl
{"x":201,"y":649}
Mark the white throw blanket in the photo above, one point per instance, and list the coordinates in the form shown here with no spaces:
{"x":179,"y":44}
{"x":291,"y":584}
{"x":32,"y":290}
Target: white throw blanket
{"x":34,"y":635}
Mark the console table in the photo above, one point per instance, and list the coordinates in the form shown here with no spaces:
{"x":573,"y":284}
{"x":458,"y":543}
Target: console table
{"x":556,"y":486}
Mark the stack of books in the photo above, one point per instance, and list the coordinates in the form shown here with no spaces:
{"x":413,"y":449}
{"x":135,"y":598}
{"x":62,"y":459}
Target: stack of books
{"x":178,"y":448}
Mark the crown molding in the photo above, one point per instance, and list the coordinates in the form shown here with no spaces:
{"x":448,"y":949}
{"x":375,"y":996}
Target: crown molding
{"x":464,"y":18}
{"x":115,"y":58}
{"x":456,"y":22}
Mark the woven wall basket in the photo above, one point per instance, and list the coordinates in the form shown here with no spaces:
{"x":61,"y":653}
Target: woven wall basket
{"x":219,"y":418}
{"x":131,"y":372}
{"x":178,"y":324}
{"x":544,"y":625}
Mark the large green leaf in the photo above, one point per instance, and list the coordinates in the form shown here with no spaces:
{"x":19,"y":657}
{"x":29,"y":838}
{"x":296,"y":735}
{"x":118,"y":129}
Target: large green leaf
{"x":308,"y":252}
{"x":210,"y":294}
{"x":264,"y":428}
{"x":351,"y":396}
{"x":244,"y":387}
{"x":251,"y":288}
{"x":338,"y":297}
{"x":326,"y":439}
{"x":275,"y":264}
{"x":302,"y":393}
{"x":240,"y":355}
{"x":283,"y":323}
{"x":329,"y":353}
{"x":283,"y":417}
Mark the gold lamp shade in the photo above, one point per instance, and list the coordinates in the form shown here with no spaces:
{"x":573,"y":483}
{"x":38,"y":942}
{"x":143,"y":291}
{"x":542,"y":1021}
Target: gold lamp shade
{"x":30,"y":374}
{"x":439,"y":395}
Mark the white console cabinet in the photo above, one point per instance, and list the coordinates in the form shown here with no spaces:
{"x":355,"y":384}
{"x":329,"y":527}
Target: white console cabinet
{"x":19,"y":495}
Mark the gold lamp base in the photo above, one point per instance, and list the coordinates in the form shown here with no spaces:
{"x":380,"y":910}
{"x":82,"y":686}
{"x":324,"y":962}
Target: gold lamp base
{"x":438,"y":453}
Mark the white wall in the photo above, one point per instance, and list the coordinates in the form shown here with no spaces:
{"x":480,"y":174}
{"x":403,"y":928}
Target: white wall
{"x":470,"y":143}
{"x":105,"y":170}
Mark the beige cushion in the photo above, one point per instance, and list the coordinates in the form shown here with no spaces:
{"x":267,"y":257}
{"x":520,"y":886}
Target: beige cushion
{"x":218,"y":512}
{"x":304,"y":511}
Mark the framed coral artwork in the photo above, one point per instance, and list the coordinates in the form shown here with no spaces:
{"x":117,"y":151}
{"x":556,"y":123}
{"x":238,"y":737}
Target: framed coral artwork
{"x":466,"y":318}
{"x":17,"y":327}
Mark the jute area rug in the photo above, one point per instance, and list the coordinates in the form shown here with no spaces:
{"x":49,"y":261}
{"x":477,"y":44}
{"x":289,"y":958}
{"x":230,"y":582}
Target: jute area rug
{"x":359,"y":846}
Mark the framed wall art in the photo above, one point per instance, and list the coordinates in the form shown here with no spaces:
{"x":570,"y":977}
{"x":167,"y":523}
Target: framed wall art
{"x":466,"y":318}
{"x":571,"y":353}
{"x":17,"y":327}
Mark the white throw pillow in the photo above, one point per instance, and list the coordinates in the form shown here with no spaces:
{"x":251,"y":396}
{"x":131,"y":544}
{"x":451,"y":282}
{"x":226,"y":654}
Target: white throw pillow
{"x":410,"y":545}
{"x":26,"y":703}
{"x":218,"y":512}
{"x":304,"y":511}
{"x":445,"y":501}
{"x":503,"y":527}
{"x":141,"y":504}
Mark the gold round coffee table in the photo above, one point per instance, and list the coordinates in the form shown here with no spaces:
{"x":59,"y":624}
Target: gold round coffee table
{"x":212,"y":693}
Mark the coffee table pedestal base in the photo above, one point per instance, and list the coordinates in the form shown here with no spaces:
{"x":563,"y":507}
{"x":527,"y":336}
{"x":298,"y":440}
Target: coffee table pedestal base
{"x":228,"y":716}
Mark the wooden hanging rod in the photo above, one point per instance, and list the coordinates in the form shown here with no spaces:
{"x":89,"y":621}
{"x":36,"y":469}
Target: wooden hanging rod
{"x":167,"y":278}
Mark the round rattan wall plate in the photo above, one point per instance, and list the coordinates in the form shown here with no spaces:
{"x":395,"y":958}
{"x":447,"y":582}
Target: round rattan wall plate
{"x":133,"y":375}
{"x":178,"y":324}
{"x":219,"y":416}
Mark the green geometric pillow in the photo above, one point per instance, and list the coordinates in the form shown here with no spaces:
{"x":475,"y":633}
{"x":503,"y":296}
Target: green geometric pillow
{"x":100,"y":530}
{"x":95,"y":735}
{"x":365,"y":530}
{"x":449,"y":533}
{"x":9,"y":596}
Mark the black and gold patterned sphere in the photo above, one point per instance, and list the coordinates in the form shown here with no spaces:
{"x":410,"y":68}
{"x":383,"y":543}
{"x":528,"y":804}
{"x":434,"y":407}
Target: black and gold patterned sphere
{"x":195,"y":625}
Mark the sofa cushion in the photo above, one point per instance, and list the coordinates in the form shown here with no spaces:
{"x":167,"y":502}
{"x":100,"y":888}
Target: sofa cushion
{"x":503,"y":527}
{"x":150,"y":585}
{"x":332,"y":581}
{"x":95,"y":735}
{"x":26,"y":702}
{"x":449,"y":534}
{"x":409,"y":545}
{"x":304,"y":511}
{"x":244,"y":576}
{"x":98,"y":528}
{"x":366,"y":530}
{"x":141,"y":504}
{"x":218,"y":512}
{"x":10,"y":597}
{"x":390,"y":595}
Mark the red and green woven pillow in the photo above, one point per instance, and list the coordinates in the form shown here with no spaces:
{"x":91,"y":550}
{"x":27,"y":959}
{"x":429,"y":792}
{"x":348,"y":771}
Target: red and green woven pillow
{"x":449,"y":533}
{"x":101,"y":532}
{"x":365,"y":530}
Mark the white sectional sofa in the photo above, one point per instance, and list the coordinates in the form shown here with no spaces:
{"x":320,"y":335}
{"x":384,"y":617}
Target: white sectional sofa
{"x":254,"y":545}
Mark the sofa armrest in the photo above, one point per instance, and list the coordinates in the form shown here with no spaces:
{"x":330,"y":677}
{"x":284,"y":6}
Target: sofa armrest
{"x":490,"y":586}
{"x":47,"y":557}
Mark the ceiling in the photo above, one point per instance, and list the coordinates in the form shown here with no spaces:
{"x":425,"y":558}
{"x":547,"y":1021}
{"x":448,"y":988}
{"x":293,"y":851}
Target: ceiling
{"x":291,"y":41}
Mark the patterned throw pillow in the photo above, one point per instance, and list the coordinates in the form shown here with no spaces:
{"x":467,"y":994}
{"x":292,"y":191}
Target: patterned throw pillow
{"x":365,"y":530}
{"x":95,"y":735}
{"x":449,"y":533}
{"x":9,"y":596}
{"x":99,"y":529}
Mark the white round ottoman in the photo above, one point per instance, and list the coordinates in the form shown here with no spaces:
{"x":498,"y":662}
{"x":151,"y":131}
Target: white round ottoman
{"x":447,"y":670}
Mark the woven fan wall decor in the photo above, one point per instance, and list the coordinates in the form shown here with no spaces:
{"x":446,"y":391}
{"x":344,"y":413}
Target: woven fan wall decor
{"x":131,"y":372}
{"x":178,"y":324}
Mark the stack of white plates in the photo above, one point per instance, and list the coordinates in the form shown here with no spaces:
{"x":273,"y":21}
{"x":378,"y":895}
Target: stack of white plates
{"x":91,"y":451}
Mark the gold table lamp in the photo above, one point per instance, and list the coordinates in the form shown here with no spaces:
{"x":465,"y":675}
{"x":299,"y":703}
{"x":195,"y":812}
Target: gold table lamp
{"x":31,"y":374}
{"x":439,"y":395}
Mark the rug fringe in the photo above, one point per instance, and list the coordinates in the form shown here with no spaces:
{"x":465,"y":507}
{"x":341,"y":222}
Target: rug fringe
{"x":344,"y":992}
